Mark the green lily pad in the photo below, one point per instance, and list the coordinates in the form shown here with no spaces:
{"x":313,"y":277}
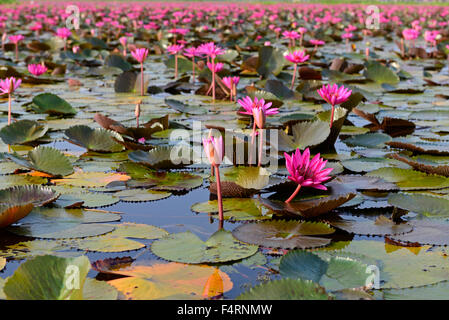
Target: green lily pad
{"x":382,"y":226}
{"x":305,"y":134}
{"x":45,"y":159}
{"x":163,"y":157}
{"x":99,"y":139}
{"x":235,"y":209}
{"x":186,"y":247}
{"x":139,"y":195}
{"x":271,"y":61}
{"x":51,"y":104}
{"x":407,"y":179}
{"x":286,"y":289}
{"x":370,"y":164}
{"x":426,"y":204}
{"x":368,"y":140}
{"x":48,"y":223}
{"x":333,"y":273}
{"x":48,"y":278}
{"x":284,"y":234}
{"x":379,"y":73}
{"x":37,"y":195}
{"x":23,"y":131}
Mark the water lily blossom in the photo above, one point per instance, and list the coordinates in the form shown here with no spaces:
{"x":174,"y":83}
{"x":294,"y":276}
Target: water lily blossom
{"x":306,"y":172}
{"x":140,"y":55}
{"x":214,"y":150}
{"x":334,"y":95}
{"x":211,"y":51}
{"x":231,"y":83}
{"x":175,"y":50}
{"x":259,"y":110}
{"x":9,"y":85}
{"x":16,"y":39}
{"x":295,"y":57}
{"x":37,"y":69}
{"x":191,"y":53}
{"x":64,"y":33}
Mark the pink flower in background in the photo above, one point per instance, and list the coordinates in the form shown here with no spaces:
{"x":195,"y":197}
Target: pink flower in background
{"x":248,"y":104}
{"x":192,"y":52}
{"x":410,"y":34}
{"x":334,"y":95}
{"x":8,"y":86}
{"x":211,"y":50}
{"x":430,"y":36}
{"x":63,"y":33}
{"x":37,"y":69}
{"x":217,"y":67}
{"x":16,"y":38}
{"x":231,"y":83}
{"x":76,"y":49}
{"x":175,"y":49}
{"x":317,"y":42}
{"x":298,"y":56}
{"x":347,"y":35}
{"x":140,"y":54}
{"x":306,"y":172}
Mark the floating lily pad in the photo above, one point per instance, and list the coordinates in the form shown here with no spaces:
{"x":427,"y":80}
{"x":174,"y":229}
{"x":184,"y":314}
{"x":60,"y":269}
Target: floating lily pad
{"x":426,"y":204}
{"x":368,"y":140}
{"x":48,"y":223}
{"x":407,"y":179}
{"x":46,"y":278}
{"x":188,"y":248}
{"x":163,"y":157}
{"x":99,"y":140}
{"x":334,"y":273}
{"x":305,"y":134}
{"x":379,"y":73}
{"x":431,"y":232}
{"x":382,"y":226}
{"x":235,"y":209}
{"x":45,"y":159}
{"x":37,"y":195}
{"x":286,"y":289}
{"x":51,"y":104}
{"x":284,"y":234}
{"x":138,"y":195}
{"x":91,"y":179}
{"x":168,"y":281}
{"x":23,"y":131}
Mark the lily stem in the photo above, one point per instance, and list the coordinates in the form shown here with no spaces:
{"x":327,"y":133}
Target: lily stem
{"x":141,"y":79}
{"x":220,"y":201}
{"x":260,"y":146}
{"x":293,"y":194}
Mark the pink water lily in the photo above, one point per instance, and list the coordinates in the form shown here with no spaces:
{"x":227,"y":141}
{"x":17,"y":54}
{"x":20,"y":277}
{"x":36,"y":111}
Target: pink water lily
{"x":175,"y":50}
{"x":37,"y":69}
{"x":211,"y":51}
{"x":306,"y":172}
{"x":296,"y":57}
{"x":64,"y":33}
{"x":140,"y":55}
{"x":191,"y":53}
{"x":259,"y":110}
{"x":214,"y":150}
{"x":16,"y":39}
{"x":231,"y":83}
{"x":123,"y":41}
{"x":9,"y":85}
{"x":334,"y":95}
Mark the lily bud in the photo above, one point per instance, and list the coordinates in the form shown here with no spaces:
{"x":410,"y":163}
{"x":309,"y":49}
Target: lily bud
{"x":259,"y":117}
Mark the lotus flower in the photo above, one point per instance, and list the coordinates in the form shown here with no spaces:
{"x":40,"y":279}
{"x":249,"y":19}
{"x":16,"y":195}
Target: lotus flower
{"x":248,"y":104}
{"x":231,"y":83}
{"x":191,"y":53}
{"x":37,"y":69}
{"x":9,"y":85}
{"x":306,"y":172}
{"x":64,"y":33}
{"x":334,"y":95}
{"x":296,"y":57}
{"x":140,"y":55}
{"x":175,"y":50}
{"x":16,"y":39}
{"x":211,"y":51}
{"x":215,"y":68}
{"x":214,"y":151}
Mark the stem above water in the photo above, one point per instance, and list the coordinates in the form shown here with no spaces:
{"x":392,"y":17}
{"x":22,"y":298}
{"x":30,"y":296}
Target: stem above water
{"x":220,"y":201}
{"x":293,"y":194}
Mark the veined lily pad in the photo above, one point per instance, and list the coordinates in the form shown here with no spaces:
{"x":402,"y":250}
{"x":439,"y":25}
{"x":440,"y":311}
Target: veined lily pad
{"x":23,"y":131}
{"x":379,"y":73}
{"x":284,"y":234}
{"x":235,"y":209}
{"x":370,"y":164}
{"x":46,"y":278}
{"x":368,"y":140}
{"x":407,"y":179}
{"x":286,"y":289}
{"x":333,"y":273}
{"x":91,"y":179}
{"x":45,"y":159}
{"x":48,"y":223}
{"x":311,"y":202}
{"x":426,"y":204}
{"x":37,"y":195}
{"x":380,"y":227}
{"x":169,"y":281}
{"x":138,"y":195}
{"x":99,"y":140}
{"x":51,"y":104}
{"x":163,"y":157}
{"x":431,"y":232}
{"x":305,"y":134}
{"x":188,"y":248}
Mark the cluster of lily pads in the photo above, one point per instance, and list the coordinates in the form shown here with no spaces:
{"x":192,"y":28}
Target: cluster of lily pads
{"x":89,"y":128}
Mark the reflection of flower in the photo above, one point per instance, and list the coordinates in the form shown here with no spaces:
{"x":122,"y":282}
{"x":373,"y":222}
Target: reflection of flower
{"x":306,"y":172}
